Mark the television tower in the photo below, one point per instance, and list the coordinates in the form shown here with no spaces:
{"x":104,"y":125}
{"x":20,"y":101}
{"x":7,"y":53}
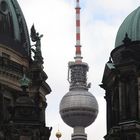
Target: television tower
{"x":78,"y":108}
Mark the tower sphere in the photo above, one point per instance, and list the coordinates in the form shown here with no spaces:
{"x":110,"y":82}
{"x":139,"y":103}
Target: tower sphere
{"x":78,"y":108}
{"x":58,"y":134}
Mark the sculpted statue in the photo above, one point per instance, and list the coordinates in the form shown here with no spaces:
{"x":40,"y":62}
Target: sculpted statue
{"x":35,"y":37}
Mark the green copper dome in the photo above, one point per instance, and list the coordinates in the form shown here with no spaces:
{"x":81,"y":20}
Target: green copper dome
{"x":131,"y":26}
{"x":13,"y":28}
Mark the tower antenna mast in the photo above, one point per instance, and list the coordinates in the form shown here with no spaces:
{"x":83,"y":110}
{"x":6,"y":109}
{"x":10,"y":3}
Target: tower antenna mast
{"x":78,"y":57}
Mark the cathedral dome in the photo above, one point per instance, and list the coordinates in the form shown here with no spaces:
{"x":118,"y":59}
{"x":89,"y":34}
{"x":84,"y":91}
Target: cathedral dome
{"x":131,"y":26}
{"x":13,"y":29}
{"x":78,"y":108}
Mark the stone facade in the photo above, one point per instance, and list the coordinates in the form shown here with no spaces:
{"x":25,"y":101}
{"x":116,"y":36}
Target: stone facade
{"x":22,"y":105}
{"x":121,"y":82}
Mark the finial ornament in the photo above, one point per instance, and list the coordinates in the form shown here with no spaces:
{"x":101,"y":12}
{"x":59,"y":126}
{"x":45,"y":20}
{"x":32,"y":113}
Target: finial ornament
{"x":24,"y":82}
{"x":58,"y":134}
{"x":126,"y":40}
{"x":110,"y":60}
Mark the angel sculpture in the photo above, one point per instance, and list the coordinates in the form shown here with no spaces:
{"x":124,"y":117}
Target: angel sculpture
{"x":35,"y":37}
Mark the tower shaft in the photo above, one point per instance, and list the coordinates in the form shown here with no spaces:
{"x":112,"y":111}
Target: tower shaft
{"x":79,"y":133}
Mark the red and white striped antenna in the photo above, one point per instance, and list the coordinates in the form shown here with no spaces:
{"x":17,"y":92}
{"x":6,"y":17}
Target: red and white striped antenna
{"x":78,"y":57}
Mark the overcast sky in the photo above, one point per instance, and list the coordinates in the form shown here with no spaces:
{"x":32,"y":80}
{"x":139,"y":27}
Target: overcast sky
{"x":55,"y":19}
